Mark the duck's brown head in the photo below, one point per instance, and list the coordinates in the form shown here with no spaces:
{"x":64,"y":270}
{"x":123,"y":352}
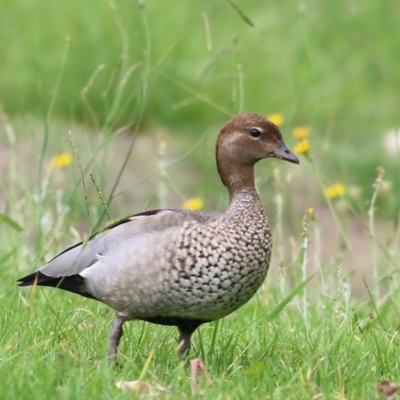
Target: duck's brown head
{"x":244,"y":140}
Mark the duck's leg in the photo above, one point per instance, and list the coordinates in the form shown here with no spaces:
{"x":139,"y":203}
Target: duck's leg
{"x":197,"y":364}
{"x":185,"y":334}
{"x":116,"y":333}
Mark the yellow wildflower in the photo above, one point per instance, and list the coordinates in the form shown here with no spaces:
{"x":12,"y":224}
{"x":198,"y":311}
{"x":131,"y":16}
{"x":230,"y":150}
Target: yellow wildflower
{"x":61,"y":161}
{"x":336,"y":190}
{"x":311,"y":212}
{"x":302,"y":147}
{"x":193,"y":204}
{"x":276,"y":119}
{"x":301,"y":132}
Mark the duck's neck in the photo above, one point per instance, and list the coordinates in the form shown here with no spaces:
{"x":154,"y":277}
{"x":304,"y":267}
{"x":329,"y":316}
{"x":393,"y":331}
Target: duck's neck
{"x":237,"y":179}
{"x":245,"y":202}
{"x":243,"y":197}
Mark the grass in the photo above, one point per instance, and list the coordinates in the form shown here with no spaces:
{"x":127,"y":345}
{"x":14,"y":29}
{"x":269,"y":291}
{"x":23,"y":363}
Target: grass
{"x":329,"y":66}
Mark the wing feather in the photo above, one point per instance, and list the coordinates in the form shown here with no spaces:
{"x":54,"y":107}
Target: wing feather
{"x":75,"y":259}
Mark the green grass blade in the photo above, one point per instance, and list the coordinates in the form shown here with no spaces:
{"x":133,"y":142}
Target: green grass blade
{"x":276,"y":310}
{"x":10,"y":223}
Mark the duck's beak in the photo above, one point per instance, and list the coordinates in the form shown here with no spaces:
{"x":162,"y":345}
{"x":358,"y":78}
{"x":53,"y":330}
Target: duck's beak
{"x":283,"y":153}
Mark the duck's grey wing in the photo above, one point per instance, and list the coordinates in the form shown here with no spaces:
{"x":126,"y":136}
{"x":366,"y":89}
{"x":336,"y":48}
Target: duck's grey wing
{"x":64,"y":270}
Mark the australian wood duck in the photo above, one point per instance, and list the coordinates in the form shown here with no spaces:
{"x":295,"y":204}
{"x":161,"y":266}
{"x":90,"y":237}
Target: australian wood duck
{"x":179,"y":267}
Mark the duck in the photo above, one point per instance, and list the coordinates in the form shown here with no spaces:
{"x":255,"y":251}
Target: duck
{"x":178,"y":267}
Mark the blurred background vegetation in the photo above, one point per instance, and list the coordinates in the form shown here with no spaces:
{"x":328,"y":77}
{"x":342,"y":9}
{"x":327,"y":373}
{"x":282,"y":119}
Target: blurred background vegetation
{"x":330,"y":65}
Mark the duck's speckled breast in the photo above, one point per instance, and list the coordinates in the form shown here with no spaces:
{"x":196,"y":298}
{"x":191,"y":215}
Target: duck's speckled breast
{"x":214,"y":271}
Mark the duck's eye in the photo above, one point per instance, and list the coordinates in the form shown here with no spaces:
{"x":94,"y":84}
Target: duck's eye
{"x":255,"y":132}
